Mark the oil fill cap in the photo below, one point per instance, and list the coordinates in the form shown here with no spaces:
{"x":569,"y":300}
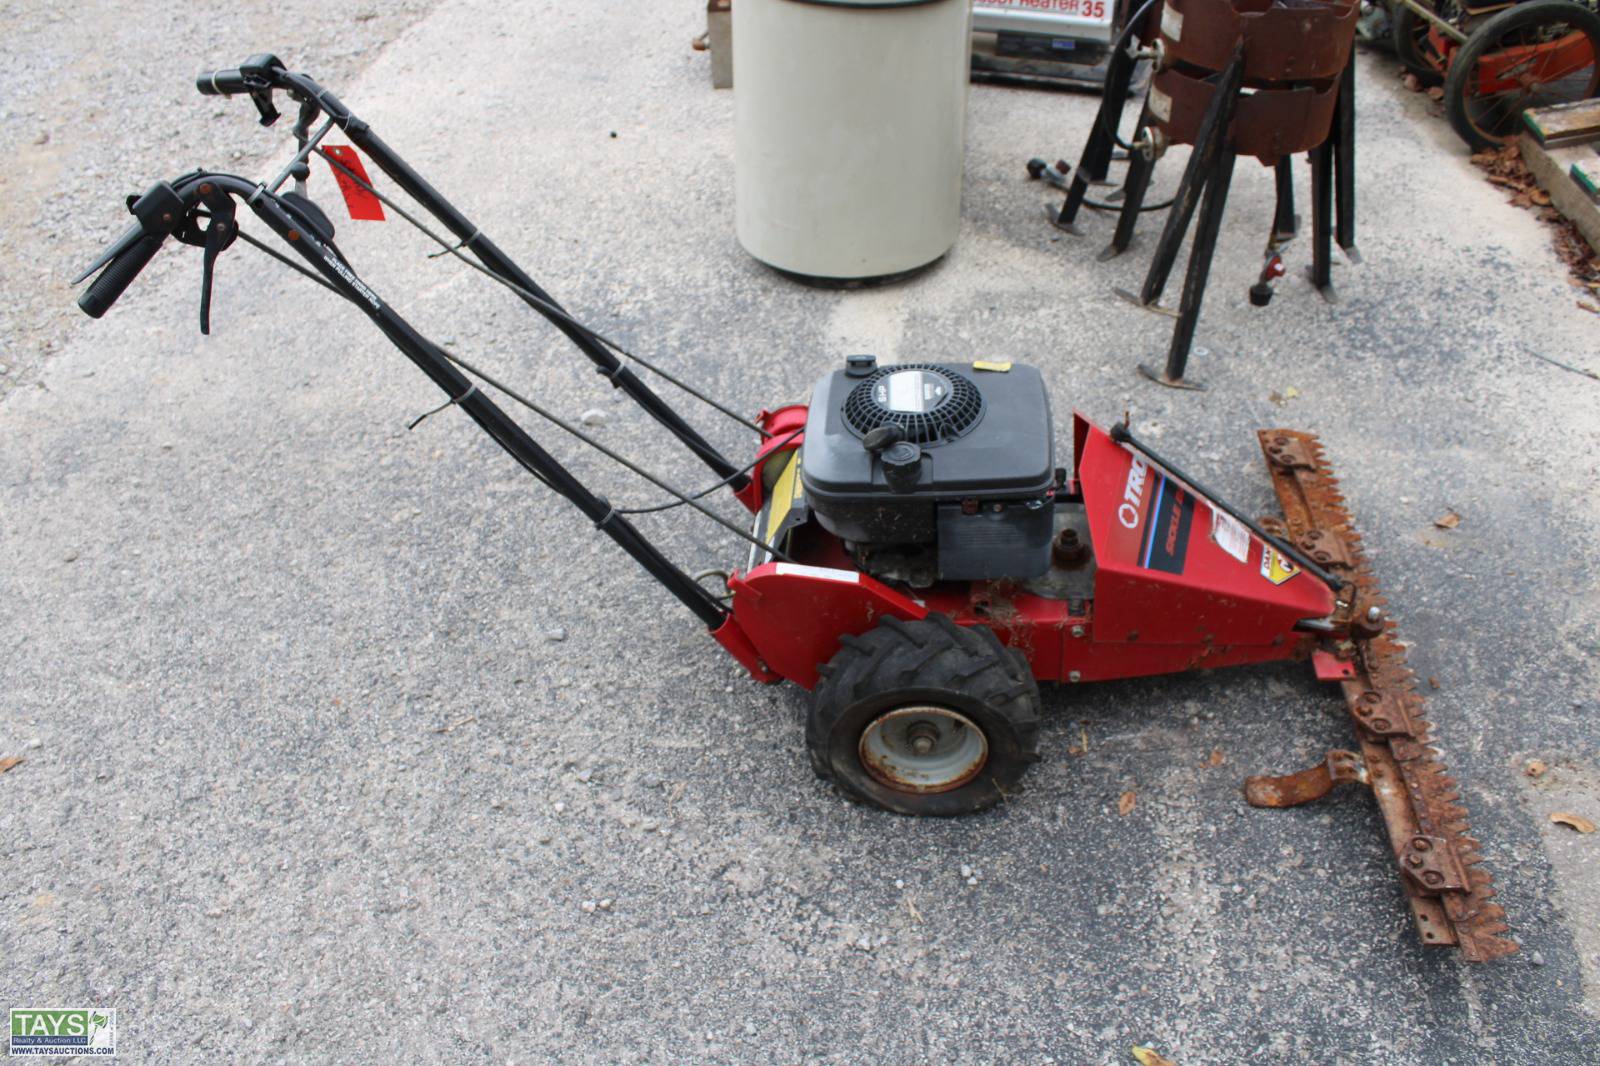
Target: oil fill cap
{"x":902,"y":466}
{"x":859,"y":366}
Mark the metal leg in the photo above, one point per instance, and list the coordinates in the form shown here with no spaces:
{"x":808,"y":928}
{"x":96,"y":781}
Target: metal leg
{"x":1209,"y":139}
{"x":1194,"y":282}
{"x":1344,"y":131}
{"x":1140,"y":167}
{"x":1096,"y":159}
{"x":1284,"y":222}
{"x":1322,"y":219}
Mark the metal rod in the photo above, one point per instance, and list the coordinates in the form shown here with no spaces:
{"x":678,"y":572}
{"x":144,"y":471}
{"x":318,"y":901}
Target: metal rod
{"x":1205,"y":246}
{"x":473,"y":239}
{"x":301,"y":156}
{"x":1134,"y":187}
{"x":1123,"y":435}
{"x":546,"y":308}
{"x":485,"y":412}
{"x":1322,"y":216}
{"x":1439,"y":23}
{"x":1095,"y":162}
{"x":1344,"y":159}
{"x":1283,"y":221}
{"x":1218,"y":113}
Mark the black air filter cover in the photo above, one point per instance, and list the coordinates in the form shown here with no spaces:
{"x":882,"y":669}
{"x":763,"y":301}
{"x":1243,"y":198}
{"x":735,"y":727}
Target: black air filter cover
{"x":985,"y":435}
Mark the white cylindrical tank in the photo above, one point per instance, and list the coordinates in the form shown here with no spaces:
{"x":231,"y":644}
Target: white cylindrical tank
{"x":849,"y":134}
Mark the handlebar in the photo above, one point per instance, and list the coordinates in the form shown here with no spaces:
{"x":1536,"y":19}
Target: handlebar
{"x":158,"y":213}
{"x":222,"y":82}
{"x":115,"y":279}
{"x":256,"y":74}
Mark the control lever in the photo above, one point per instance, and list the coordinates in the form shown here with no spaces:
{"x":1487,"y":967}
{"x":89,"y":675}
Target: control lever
{"x":220,"y":231}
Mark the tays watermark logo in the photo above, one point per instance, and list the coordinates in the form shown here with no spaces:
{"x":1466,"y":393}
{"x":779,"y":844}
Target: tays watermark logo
{"x":68,"y":1031}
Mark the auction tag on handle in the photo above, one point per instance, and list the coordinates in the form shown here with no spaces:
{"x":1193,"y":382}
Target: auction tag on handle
{"x":362,"y":204}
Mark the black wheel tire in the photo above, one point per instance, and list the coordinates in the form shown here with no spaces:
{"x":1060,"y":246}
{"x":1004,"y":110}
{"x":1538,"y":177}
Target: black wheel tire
{"x":932,"y":662}
{"x":1408,"y":31}
{"x":1487,"y":36}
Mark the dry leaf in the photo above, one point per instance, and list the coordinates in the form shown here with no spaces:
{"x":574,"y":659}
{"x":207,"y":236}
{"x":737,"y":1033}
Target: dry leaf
{"x":1126,"y":802}
{"x":1435,"y":93}
{"x":9,"y":761}
{"x":1216,"y":757}
{"x":1433,"y":682}
{"x":1411,"y":81}
{"x":1573,"y":821}
{"x":1535,"y":768}
{"x":1146,"y":1057}
{"x":1589,"y":307}
{"x":1449,"y":520}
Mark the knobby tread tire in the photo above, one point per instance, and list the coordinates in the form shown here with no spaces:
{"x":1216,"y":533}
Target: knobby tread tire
{"x":932,"y":661}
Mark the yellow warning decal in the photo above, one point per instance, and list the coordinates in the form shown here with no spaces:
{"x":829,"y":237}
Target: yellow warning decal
{"x":998,"y":368}
{"x":1275,"y":568}
{"x":786,"y":492}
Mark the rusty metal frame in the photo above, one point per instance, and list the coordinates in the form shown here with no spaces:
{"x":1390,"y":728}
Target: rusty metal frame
{"x":1438,"y":22}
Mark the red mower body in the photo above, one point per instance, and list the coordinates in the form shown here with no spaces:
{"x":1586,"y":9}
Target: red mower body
{"x":1163,"y":581}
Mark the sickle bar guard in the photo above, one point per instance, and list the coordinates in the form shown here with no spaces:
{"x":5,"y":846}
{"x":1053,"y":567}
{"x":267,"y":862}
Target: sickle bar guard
{"x":1451,"y":895}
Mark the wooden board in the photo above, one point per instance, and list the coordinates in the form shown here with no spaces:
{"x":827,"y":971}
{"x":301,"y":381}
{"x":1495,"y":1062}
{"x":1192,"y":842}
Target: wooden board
{"x":1563,"y":124}
{"x":1552,"y":168}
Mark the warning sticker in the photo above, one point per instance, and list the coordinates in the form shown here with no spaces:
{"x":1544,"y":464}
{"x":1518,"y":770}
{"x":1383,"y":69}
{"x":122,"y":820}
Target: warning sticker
{"x":826,"y":573}
{"x":1275,"y":568}
{"x":1231,"y":535}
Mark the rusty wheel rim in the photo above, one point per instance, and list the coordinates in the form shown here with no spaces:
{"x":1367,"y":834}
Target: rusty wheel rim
{"x":923,"y":749}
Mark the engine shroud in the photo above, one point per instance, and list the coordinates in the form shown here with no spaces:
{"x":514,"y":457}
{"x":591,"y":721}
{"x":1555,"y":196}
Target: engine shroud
{"x":970,"y":485}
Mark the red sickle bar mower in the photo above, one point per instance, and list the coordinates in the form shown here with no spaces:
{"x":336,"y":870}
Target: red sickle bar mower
{"x":916,"y":557}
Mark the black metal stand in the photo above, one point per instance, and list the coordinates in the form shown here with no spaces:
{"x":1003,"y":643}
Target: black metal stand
{"x":1141,"y":164}
{"x":1204,"y":189}
{"x":1095,"y":162}
{"x":1284,"y":221}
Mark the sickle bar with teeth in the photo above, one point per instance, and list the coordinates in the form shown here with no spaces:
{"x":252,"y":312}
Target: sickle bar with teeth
{"x":1450,"y":893}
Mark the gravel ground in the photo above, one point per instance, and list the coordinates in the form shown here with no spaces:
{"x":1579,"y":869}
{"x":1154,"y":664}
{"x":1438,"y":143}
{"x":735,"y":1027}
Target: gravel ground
{"x":346,"y":743}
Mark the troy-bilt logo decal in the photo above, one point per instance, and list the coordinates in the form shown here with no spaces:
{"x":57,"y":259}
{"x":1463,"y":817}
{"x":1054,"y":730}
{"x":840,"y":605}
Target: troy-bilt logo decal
{"x":1166,"y":539}
{"x":1133,"y":494}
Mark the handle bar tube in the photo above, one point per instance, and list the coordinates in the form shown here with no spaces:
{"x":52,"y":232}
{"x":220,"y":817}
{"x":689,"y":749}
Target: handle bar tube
{"x":497,"y":262}
{"x":485,"y":412}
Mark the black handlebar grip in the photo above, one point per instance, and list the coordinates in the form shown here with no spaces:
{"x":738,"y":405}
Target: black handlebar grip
{"x":221,"y":82}
{"x":115,"y":279}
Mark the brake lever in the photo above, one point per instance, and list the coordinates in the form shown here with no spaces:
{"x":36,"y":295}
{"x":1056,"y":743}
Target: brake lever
{"x":215,"y":237}
{"x":268,"y":111}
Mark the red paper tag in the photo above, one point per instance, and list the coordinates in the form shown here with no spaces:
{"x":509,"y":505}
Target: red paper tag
{"x":362,"y":204}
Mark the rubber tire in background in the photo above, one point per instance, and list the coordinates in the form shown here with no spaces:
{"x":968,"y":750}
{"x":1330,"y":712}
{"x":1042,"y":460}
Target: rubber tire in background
{"x":1486,"y":36}
{"x":1405,"y":27}
{"x":934,"y":663}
